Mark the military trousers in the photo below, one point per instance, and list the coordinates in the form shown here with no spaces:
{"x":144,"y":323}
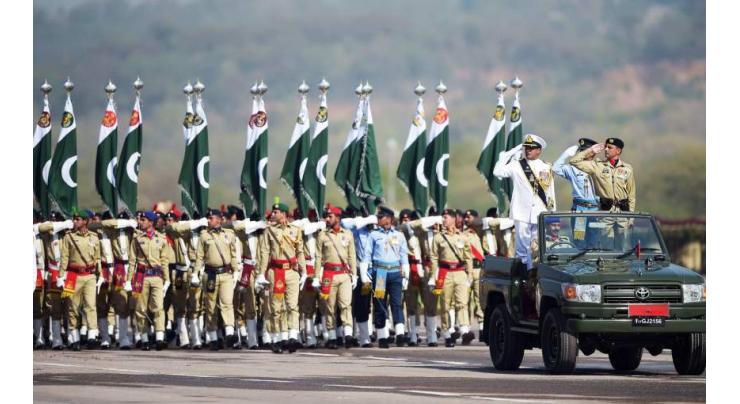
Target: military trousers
{"x":394,"y":293}
{"x":38,"y":304}
{"x":475,"y":307}
{"x":84,"y":298}
{"x":219,"y":300}
{"x":195,"y":294}
{"x":456,"y":297}
{"x":245,"y":305}
{"x":284,"y":310}
{"x":339,"y":301}
{"x":151,"y":299}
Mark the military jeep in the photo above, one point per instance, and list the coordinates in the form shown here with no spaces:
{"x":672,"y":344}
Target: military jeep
{"x":600,"y":281}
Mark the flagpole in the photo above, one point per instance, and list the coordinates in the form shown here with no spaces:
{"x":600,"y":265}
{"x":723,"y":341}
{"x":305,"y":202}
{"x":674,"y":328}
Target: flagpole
{"x":46,"y":89}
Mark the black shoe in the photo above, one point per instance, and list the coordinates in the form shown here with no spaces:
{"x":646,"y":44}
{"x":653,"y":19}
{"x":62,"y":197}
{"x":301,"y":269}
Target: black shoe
{"x":76,"y":346}
{"x":244,"y":343}
{"x":373,"y":338}
{"x":292,"y":345}
{"x":312,"y":346}
{"x":331,"y":344}
{"x":400,"y":340}
{"x":455,"y":335}
{"x":83,"y":338}
{"x":145,"y":346}
{"x":214,"y":346}
{"x":124,"y":348}
{"x":277,"y":347}
{"x":347,"y":342}
{"x":383,"y":343}
{"x":38,"y":346}
{"x":138,"y":344}
{"x":220,"y":342}
{"x":449,"y":342}
{"x":160,"y":345}
{"x":267,"y":346}
{"x":232,"y":341}
{"x":467,"y":338}
{"x":412,"y":343}
{"x":186,"y":346}
{"x":105,"y":347}
{"x":432,"y":344}
{"x":355,"y":342}
{"x":58,"y":348}
{"x":196,"y":347}
{"x":368,"y":345}
{"x":254,"y":347}
{"x":92,"y":343}
{"x":170,"y":335}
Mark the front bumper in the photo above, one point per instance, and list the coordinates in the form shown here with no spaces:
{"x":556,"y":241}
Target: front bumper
{"x":672,"y":326}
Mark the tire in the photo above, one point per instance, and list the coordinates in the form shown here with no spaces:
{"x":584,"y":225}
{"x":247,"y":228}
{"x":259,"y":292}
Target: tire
{"x":625,"y":359}
{"x":505,"y":346}
{"x":690,"y":354}
{"x":559,"y":345}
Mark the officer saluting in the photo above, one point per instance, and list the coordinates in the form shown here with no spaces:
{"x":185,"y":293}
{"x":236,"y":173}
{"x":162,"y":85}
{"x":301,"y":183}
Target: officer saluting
{"x":614,"y":179}
{"x":217,"y":256}
{"x":80,"y":263}
{"x":584,"y":194}
{"x":534,"y":190}
{"x":148,"y":278}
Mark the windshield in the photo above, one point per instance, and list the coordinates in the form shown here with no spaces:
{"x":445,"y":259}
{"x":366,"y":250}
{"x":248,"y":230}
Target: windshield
{"x":582,"y":235}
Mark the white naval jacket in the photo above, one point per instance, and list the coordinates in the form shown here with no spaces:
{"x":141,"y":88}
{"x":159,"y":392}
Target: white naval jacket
{"x":526,"y":206}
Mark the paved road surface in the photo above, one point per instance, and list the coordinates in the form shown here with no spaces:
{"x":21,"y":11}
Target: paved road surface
{"x":408,"y":375}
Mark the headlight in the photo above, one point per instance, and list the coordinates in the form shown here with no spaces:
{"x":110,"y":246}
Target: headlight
{"x":582,"y":293}
{"x":694,"y":293}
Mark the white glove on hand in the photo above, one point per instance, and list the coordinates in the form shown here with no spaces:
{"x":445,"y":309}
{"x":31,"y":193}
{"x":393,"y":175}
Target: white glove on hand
{"x":127,"y":286}
{"x":302,"y":281}
{"x":405,"y":271}
{"x":315,"y":284}
{"x":597,"y":148}
{"x":420,"y":271}
{"x":404,"y":283}
{"x":429,"y":221}
{"x":60,"y":281}
{"x":571,"y":151}
{"x":432,"y":282}
{"x":126,"y":223}
{"x":195,"y":280}
{"x":166,"y":286}
{"x":59,"y":226}
{"x":98,"y":284}
{"x":354,"y":282}
{"x":470,"y":282}
{"x":363,"y":272}
{"x":260,"y":283}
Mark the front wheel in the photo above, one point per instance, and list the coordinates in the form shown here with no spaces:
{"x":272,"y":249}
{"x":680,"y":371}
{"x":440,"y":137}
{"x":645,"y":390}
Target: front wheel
{"x":505,"y":346}
{"x":690,"y":354}
{"x":559,"y":345}
{"x":625,"y":359}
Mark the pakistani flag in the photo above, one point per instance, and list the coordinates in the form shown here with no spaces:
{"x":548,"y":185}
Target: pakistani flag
{"x":494,"y":144}
{"x":436,"y":165}
{"x":254,"y":170}
{"x":514,"y":138}
{"x":296,"y":159}
{"x":368,"y":186}
{"x":411,"y":168}
{"x":63,"y":171}
{"x":314,"y":179}
{"x":42,"y":158}
{"x":105,"y":160}
{"x":344,"y":175}
{"x":194,"y":173}
{"x":127,"y":176}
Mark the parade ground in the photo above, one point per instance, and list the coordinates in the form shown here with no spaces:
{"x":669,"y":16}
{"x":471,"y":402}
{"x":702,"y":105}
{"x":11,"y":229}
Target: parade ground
{"x":408,"y":375}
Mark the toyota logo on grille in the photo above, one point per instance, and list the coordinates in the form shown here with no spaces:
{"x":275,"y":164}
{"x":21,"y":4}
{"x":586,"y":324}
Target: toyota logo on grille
{"x":642,"y":293}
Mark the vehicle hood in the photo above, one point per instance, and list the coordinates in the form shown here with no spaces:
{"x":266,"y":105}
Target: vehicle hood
{"x":589,"y":272}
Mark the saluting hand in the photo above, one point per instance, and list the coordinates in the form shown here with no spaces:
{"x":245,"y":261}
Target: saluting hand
{"x":597,"y":148}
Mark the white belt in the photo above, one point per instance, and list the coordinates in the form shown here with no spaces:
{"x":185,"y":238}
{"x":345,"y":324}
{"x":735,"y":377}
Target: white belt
{"x":183,"y":268}
{"x":248,"y":261}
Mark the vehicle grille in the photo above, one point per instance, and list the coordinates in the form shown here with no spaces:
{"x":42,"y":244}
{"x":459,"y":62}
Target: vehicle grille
{"x":658,"y":294}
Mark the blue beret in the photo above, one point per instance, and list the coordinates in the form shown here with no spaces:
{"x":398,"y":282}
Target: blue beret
{"x":150,"y":215}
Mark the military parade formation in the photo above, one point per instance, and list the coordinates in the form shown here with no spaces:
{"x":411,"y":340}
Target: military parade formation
{"x":260,"y":276}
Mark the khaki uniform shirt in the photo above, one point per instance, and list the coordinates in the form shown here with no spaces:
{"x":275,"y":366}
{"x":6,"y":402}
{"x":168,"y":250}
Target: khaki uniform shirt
{"x":149,"y":252}
{"x":281,"y":242}
{"x":425,"y":237}
{"x":217,"y":248}
{"x":80,"y":249}
{"x":120,"y":239}
{"x":52,"y":242}
{"x":335,"y":247}
{"x":442,"y":251}
{"x":475,"y":242}
{"x":615,"y":183}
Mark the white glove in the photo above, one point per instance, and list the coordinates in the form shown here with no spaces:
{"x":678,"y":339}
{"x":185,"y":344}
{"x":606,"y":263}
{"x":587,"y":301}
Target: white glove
{"x":354,"y":282}
{"x":260,"y":283}
{"x":597,"y":148}
{"x":60,"y":281}
{"x":405,"y":271}
{"x":432,"y":282}
{"x":302,"y":281}
{"x":420,"y":271}
{"x":372,"y":219}
{"x":315,"y":283}
{"x":514,"y":153}
{"x":470,"y":282}
{"x":126,"y":223}
{"x":571,"y":151}
{"x":166,"y":286}
{"x":98,"y":284}
{"x":59,"y":226}
{"x":195,"y":280}
{"x":347,"y":223}
{"x":429,"y":221}
{"x":404,"y":283}
{"x":311,"y":228}
{"x":127,"y":286}
{"x":251,"y":227}
{"x":363,"y":272}
{"x":299,"y":223}
{"x":235,"y":276}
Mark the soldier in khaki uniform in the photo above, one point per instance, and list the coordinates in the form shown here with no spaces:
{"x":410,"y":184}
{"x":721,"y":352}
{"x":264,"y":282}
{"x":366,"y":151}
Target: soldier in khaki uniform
{"x":282,"y":260}
{"x":51,"y":233}
{"x":476,"y":248}
{"x":496,"y":234}
{"x":614,"y":179}
{"x":217,"y":258}
{"x":415,"y":290}
{"x":78,"y":268}
{"x":38,"y":291}
{"x":452,"y":262}
{"x":336,"y":267}
{"x":148,"y":278}
{"x":423,"y":229}
{"x":308,"y":297}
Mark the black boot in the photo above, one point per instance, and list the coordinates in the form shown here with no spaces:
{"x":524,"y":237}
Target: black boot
{"x":347,"y":342}
{"x":92,"y":343}
{"x":400,"y":340}
{"x":383,"y":343}
{"x":145,"y":346}
{"x":214,"y":345}
{"x":331,"y":344}
{"x":467,"y":338}
{"x":277,"y":347}
{"x":160,"y":345}
{"x":449,"y":342}
{"x":76,"y":346}
{"x":292,"y":345}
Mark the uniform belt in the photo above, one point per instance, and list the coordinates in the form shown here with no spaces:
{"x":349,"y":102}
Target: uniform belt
{"x":219,"y":270}
{"x":585,"y":204}
{"x":149,"y":271}
{"x":284,"y":264}
{"x":477,"y":263}
{"x":452,"y":265}
{"x":181,"y":268}
{"x":81,"y":269}
{"x":381,"y":265}
{"x":124,"y":262}
{"x":622,"y":204}
{"x":414,"y":261}
{"x":247,"y":261}
{"x":334,"y":267}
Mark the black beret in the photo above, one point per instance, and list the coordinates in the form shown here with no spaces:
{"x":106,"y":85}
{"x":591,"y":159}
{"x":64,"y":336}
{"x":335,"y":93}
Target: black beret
{"x":472,"y":212}
{"x":214,"y":212}
{"x":449,"y":211}
{"x":584,"y":143}
{"x":106,"y":215}
{"x":616,"y":142}
{"x":492,"y":212}
{"x":123,"y":215}
{"x":184,"y":216}
{"x":405,"y":213}
{"x":384,"y":211}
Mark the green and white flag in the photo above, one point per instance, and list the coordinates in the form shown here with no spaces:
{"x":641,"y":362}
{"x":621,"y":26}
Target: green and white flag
{"x":344,"y":175}
{"x":254,"y":171}
{"x":314,"y":179}
{"x":411,"y":168}
{"x":106,"y":159}
{"x":194,"y":174}
{"x":296,"y":159}
{"x":436,"y":165}
{"x":63,"y":171}
{"x":369,"y":186}
{"x":127,"y":177}
{"x":42,"y":158}
{"x":494,"y":144}
{"x":514,"y":138}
